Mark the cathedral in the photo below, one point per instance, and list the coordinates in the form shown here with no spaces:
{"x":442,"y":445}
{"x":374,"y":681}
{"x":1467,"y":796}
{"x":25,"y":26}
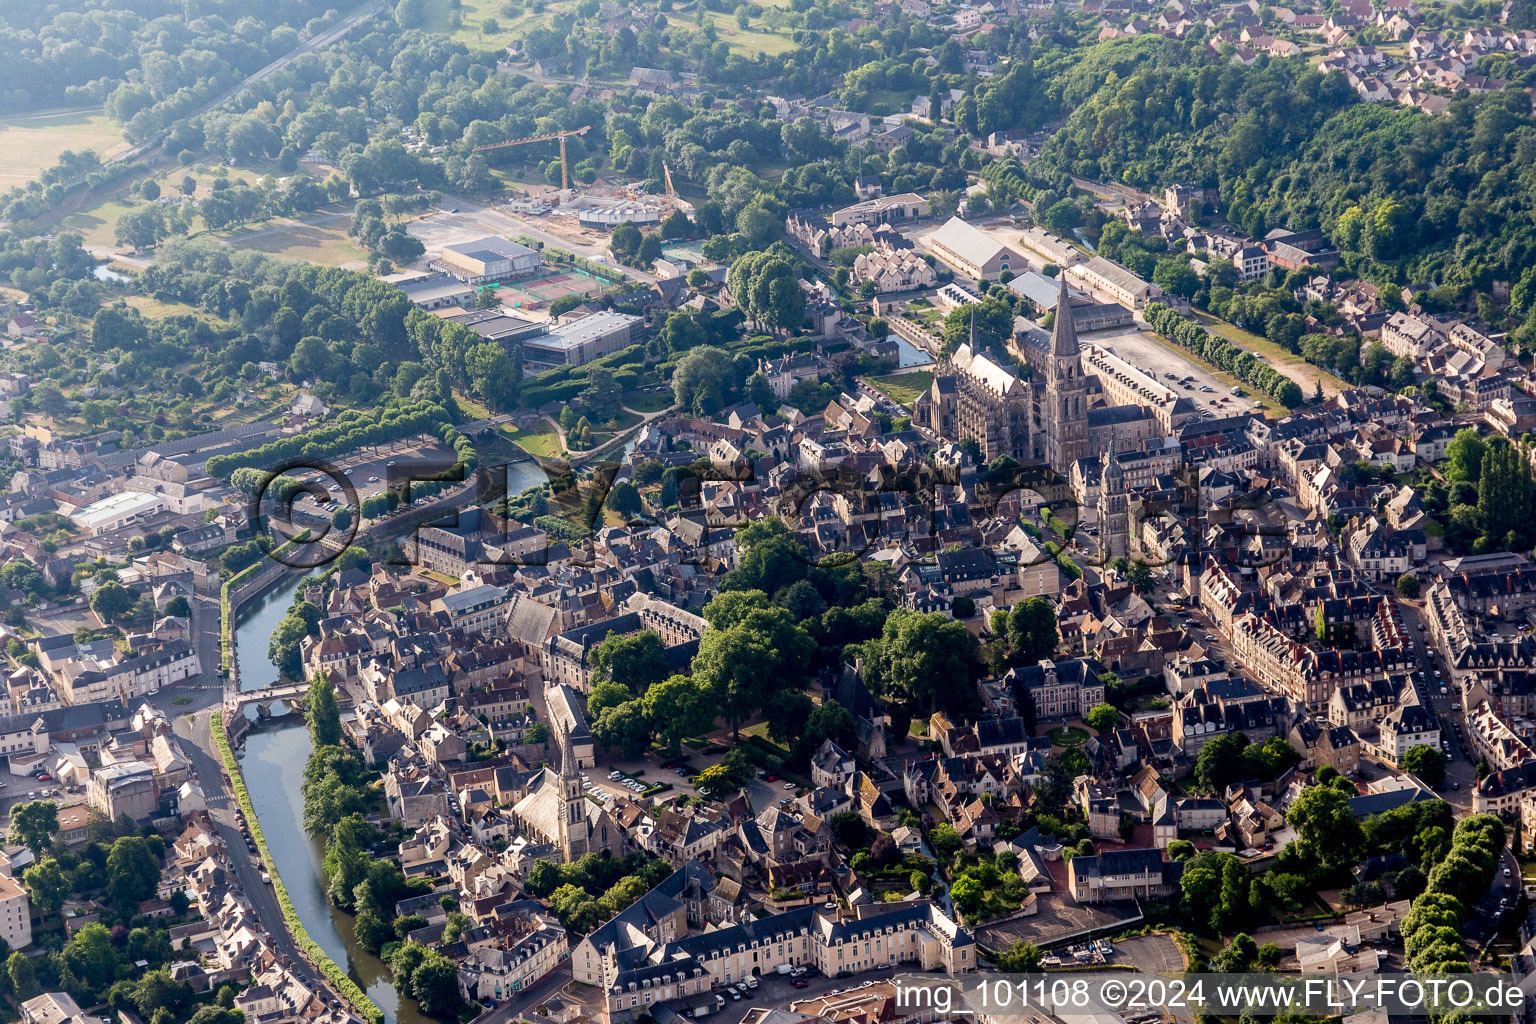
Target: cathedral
{"x":1047,"y":421}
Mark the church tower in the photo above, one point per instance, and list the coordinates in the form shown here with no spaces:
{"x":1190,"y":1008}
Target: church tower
{"x":1066,"y":392}
{"x":1114,"y":511}
{"x":573,"y":810}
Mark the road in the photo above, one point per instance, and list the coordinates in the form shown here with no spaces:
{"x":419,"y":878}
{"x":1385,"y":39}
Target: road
{"x":530,"y":997}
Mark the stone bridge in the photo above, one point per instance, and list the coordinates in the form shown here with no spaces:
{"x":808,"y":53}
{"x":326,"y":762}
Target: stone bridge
{"x":235,"y":704}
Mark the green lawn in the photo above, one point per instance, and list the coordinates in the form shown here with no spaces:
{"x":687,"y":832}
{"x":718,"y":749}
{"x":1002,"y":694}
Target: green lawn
{"x":648,"y":402}
{"x":1068,"y":736}
{"x":902,"y":388}
{"x":542,"y":441}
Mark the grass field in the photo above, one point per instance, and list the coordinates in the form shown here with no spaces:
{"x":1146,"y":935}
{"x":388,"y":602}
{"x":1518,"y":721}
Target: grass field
{"x":542,"y":442}
{"x":1299,"y":370}
{"x":902,"y":388}
{"x":98,"y":224}
{"x":325,"y":243}
{"x":31,"y":143}
{"x":155,"y":308}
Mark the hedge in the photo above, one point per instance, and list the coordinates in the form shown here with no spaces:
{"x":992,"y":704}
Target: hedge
{"x":309,"y":947}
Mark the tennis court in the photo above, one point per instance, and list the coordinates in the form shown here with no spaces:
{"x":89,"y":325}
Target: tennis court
{"x":534,"y":292}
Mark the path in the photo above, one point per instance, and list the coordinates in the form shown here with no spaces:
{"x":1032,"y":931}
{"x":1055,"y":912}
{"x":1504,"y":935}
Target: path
{"x":579,"y":458}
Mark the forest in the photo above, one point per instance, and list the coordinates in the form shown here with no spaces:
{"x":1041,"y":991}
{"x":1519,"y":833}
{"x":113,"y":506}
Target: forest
{"x":1446,"y":201}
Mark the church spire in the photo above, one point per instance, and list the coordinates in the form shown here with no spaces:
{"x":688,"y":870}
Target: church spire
{"x":1064,"y":331}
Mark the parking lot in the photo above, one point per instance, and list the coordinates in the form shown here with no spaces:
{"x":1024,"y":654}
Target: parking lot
{"x":1148,"y":355}
{"x":762,"y":792}
{"x":20,"y":789}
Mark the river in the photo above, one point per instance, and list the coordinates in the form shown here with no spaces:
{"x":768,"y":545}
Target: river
{"x":274,"y":769}
{"x":273,"y":766}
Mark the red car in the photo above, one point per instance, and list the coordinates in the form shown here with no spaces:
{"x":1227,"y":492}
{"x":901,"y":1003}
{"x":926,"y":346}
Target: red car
{"x":800,"y":983}
{"x":773,"y":778}
{"x":45,"y":777}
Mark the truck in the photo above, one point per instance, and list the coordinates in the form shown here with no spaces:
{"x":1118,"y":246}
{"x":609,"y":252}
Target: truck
{"x":784,"y":968}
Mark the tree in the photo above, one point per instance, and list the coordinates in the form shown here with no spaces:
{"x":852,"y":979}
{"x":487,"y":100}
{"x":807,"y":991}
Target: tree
{"x":946,"y":840}
{"x":111,"y":601}
{"x":624,"y":728}
{"x":1175,"y":276}
{"x":702,"y":379}
{"x":141,"y":227}
{"x":1032,"y":630}
{"x":624,"y":243}
{"x":1506,"y":494}
{"x":1408,"y":585}
{"x":1020,"y":958}
{"x":1464,"y":456}
{"x":1327,"y":833}
{"x":993,"y":324}
{"x":435,"y":985}
{"x":18,"y":967}
{"x":677,"y":709}
{"x":717,"y":780}
{"x":765,"y":285}
{"x":926,"y":658}
{"x":322,"y":712}
{"x":968,"y":894}
{"x":1102,"y":717}
{"x":1425,"y":763}
{"x":602,"y":398}
{"x":133,"y":873}
{"x":47,"y":885}
{"x":1215,"y":891}
{"x":1220,"y":762}
{"x":636,"y":661}
{"x":157,"y":990}
{"x":34,"y":824}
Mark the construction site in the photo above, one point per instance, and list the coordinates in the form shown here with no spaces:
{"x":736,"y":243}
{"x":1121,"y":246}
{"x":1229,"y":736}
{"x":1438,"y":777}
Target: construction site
{"x":596,"y":208}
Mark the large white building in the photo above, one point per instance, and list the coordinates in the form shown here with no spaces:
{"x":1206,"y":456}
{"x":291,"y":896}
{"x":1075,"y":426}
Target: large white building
{"x":117,"y":512}
{"x":487,"y":259}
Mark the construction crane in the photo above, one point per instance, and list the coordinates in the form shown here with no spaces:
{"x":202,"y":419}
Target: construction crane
{"x":565,"y":164}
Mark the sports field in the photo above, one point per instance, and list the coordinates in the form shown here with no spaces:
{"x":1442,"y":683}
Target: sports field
{"x":536,"y":292}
